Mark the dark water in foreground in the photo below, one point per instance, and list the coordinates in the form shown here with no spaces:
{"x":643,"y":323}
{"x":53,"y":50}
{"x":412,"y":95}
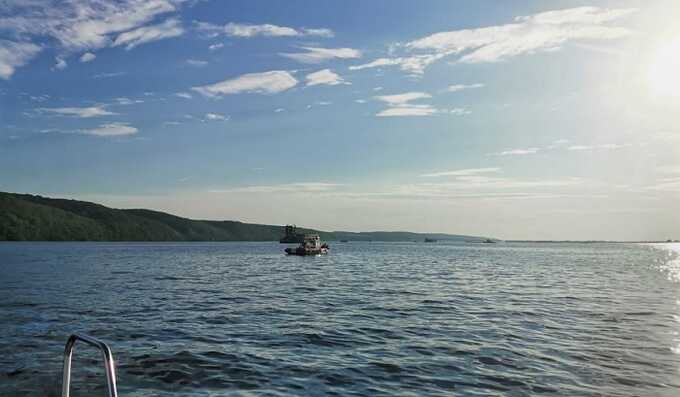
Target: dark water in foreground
{"x":368,"y":319}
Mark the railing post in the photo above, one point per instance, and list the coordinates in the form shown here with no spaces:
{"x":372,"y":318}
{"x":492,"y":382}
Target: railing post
{"x":109,"y":364}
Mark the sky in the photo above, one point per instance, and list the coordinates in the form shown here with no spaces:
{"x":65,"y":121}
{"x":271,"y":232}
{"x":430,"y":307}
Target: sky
{"x":511,"y":119}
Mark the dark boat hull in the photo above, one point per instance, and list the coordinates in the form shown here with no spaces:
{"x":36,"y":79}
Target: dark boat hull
{"x":306,"y":252}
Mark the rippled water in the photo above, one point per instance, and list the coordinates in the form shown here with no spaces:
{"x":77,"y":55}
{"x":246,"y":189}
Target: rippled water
{"x":368,"y":319}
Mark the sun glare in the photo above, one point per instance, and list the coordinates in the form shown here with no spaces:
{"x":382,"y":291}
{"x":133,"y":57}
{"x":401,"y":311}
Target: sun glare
{"x":664,"y":71}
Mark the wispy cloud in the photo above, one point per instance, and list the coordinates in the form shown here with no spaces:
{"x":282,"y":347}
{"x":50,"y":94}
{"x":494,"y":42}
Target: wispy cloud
{"x":400,"y":105}
{"x":545,"y":31}
{"x":319,"y":55}
{"x":463,"y":172}
{"x":461,"y":87}
{"x":146,"y":34}
{"x":262,"y":83}
{"x":196,"y":62}
{"x":127,"y":101}
{"x":402,"y":99}
{"x":299,"y":187}
{"x":112,"y":129}
{"x":415,"y":64}
{"x":81,"y":112}
{"x":216,"y":117}
{"x":14,"y":55}
{"x":606,"y":146}
{"x":264,"y":30}
{"x":108,"y":75}
{"x":215,"y":46}
{"x":324,"y":77}
{"x":517,"y":152}
{"x":184,"y":95}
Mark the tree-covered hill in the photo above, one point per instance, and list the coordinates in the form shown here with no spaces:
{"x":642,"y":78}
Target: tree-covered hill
{"x":25,"y":217}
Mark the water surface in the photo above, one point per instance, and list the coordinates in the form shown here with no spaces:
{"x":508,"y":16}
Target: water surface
{"x":412,"y":319}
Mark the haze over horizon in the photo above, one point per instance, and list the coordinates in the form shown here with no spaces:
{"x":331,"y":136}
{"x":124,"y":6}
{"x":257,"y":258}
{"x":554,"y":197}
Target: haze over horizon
{"x":518,"y":120}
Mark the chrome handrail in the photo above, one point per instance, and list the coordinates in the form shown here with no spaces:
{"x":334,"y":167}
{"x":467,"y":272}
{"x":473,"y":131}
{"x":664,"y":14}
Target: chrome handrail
{"x":108,"y":363}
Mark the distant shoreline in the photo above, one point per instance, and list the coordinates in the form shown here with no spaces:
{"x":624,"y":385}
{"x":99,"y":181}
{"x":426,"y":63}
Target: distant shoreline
{"x":26,"y":217}
{"x":592,"y":241}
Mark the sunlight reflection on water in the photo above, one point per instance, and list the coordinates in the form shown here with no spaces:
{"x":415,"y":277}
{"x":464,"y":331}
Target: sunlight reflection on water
{"x":671,"y":266}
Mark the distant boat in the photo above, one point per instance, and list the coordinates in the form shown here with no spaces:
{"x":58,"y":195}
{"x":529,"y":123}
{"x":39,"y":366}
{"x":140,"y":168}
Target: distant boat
{"x":343,"y":241}
{"x":292,"y":236}
{"x":489,"y":241}
{"x":311,"y":245}
{"x":430,"y":240}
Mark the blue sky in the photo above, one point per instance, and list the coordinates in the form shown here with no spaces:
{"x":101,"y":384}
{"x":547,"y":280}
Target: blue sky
{"x":517,"y":119}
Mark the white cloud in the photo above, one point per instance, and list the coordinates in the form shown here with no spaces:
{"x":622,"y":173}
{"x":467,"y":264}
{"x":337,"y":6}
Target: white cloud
{"x":461,"y":87}
{"x":216,"y":46}
{"x":216,"y":117}
{"x":127,"y":101}
{"x":196,"y":62}
{"x":415,"y":64}
{"x":400,"y":105}
{"x":606,"y":146}
{"x":463,"y":172}
{"x":60,"y":63}
{"x":184,"y":95}
{"x":265,"y":30}
{"x":262,"y":83}
{"x":360,"y":101}
{"x":87,"y":57}
{"x":112,"y":129}
{"x":456,"y":111}
{"x":279,"y":110}
{"x":82,"y":112}
{"x":545,"y":31}
{"x":318,"y":55}
{"x":320,"y":32}
{"x":518,"y":152}
{"x":324,"y":77}
{"x":402,"y":99}
{"x":39,"y":98}
{"x":78,"y":25}
{"x":410,"y":110}
{"x":146,"y":34}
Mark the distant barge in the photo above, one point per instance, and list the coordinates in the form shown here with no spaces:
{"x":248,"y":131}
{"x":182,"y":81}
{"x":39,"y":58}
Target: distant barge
{"x":292,"y":236}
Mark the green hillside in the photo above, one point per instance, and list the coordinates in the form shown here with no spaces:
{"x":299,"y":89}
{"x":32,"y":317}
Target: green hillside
{"x":25,"y":217}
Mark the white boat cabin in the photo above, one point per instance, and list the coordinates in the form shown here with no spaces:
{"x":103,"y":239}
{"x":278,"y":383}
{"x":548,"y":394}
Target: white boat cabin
{"x":312,"y":242}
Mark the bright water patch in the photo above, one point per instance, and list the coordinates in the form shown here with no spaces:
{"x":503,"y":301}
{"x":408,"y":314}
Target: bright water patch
{"x":368,"y":319}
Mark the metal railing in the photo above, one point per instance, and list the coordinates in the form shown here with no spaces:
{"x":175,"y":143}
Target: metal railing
{"x":108,"y":363}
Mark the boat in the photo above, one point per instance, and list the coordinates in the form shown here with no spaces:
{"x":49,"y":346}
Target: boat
{"x":311,"y":245}
{"x":430,"y":240}
{"x":292,"y":236}
{"x":489,"y":241}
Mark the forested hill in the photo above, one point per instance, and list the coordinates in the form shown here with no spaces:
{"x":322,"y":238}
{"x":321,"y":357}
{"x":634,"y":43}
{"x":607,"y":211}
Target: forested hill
{"x":26,"y":217}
